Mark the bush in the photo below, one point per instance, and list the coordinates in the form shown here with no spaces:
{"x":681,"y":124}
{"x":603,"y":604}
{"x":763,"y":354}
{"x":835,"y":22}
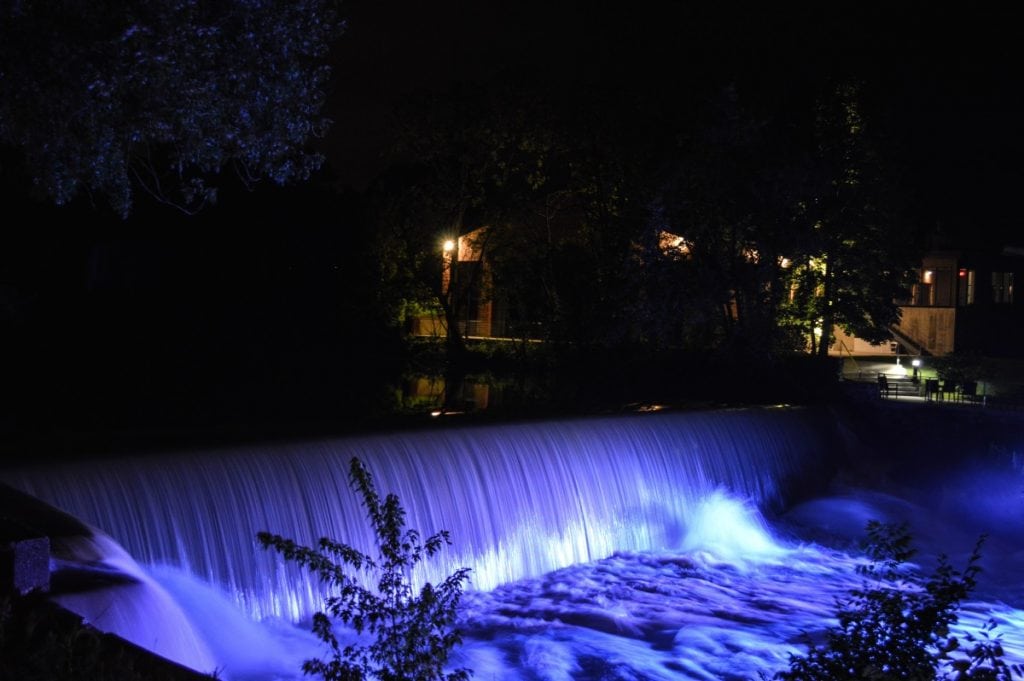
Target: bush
{"x":40,"y":641}
{"x":897,"y":626}
{"x":959,"y":367}
{"x":412,"y":636}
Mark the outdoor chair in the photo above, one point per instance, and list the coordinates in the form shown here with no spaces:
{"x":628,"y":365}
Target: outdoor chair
{"x":883,"y":386}
{"x":950,"y":388}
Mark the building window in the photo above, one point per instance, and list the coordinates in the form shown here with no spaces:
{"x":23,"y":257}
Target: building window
{"x":966,"y":277}
{"x":1002,"y":287}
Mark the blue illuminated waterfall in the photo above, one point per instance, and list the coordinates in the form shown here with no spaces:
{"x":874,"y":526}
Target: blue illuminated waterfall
{"x":519,"y":500}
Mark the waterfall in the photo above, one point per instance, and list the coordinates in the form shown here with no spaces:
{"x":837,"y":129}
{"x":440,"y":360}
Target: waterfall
{"x":126,"y":601}
{"x":95,"y":578}
{"x":519,"y":500}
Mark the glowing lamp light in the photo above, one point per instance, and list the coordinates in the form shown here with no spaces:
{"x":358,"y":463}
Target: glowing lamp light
{"x":915,"y":363}
{"x":963,"y":272}
{"x":449,"y":245}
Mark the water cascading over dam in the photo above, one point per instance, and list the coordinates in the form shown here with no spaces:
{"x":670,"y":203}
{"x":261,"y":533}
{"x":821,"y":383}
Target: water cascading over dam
{"x":519,"y":500}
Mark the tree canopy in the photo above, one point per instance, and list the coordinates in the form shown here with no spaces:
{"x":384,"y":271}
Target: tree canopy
{"x":855,"y":256}
{"x":107,"y":99}
{"x":787,"y":216}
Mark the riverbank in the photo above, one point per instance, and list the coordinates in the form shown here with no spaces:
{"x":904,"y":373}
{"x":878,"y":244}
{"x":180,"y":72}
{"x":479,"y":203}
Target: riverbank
{"x":494,"y":383}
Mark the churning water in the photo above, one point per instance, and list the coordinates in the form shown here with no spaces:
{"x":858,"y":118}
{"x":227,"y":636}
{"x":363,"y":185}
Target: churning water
{"x":621,"y":548}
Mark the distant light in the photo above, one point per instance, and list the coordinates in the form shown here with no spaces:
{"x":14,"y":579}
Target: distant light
{"x":786,"y":263}
{"x":435,"y":413}
{"x":915,"y":362}
{"x":449,"y":245}
{"x":929,"y":275}
{"x":673,"y":244}
{"x":963,"y":272}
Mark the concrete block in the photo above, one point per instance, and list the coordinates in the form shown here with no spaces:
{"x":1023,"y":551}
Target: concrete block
{"x":24,"y":565}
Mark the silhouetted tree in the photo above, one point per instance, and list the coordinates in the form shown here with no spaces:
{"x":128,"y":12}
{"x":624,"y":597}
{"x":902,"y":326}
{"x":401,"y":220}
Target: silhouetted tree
{"x":729,"y":193}
{"x":855,"y":257}
{"x":790,"y":225}
{"x":562,"y":256}
{"x":453,"y":156}
{"x":546,"y":174}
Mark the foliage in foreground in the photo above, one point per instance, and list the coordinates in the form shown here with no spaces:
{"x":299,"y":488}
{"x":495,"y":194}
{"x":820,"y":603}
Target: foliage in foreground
{"x":412,"y":635}
{"x":897,"y":626}
{"x":41,"y":642}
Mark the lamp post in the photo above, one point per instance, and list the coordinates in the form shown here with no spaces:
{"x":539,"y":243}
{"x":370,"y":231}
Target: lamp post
{"x":447,"y":249}
{"x":916,"y":363}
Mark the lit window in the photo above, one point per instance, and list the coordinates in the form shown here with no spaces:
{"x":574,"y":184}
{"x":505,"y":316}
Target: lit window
{"x":966,"y":286}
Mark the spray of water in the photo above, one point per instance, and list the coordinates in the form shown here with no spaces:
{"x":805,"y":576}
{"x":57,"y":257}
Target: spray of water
{"x":630,"y":548}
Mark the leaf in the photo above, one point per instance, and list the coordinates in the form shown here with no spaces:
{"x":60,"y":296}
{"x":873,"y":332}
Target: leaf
{"x":413,"y":635}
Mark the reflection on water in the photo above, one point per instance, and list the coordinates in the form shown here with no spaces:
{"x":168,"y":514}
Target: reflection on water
{"x":448,"y":394}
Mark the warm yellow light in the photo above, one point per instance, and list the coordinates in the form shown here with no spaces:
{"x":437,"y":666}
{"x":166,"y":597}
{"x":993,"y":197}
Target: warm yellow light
{"x":670,"y":243}
{"x":785,"y":263}
{"x":928,"y":276}
{"x":449,"y":245}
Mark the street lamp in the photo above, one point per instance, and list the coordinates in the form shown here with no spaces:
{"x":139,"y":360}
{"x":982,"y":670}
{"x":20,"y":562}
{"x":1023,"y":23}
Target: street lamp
{"x":446,"y":265}
{"x":916,"y":363}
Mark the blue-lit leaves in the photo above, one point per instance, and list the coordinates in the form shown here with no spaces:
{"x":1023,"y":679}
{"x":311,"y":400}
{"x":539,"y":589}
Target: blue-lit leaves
{"x":165,"y":96}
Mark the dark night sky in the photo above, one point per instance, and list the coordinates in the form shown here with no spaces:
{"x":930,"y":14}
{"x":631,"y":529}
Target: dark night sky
{"x":947,"y":79}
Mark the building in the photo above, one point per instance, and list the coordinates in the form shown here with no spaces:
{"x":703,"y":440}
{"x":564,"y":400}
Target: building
{"x":466,"y":286}
{"x":963,"y":301}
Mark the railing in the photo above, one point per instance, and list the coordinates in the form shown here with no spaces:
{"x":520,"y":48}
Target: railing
{"x":911,"y":343}
{"x":849,"y":353}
